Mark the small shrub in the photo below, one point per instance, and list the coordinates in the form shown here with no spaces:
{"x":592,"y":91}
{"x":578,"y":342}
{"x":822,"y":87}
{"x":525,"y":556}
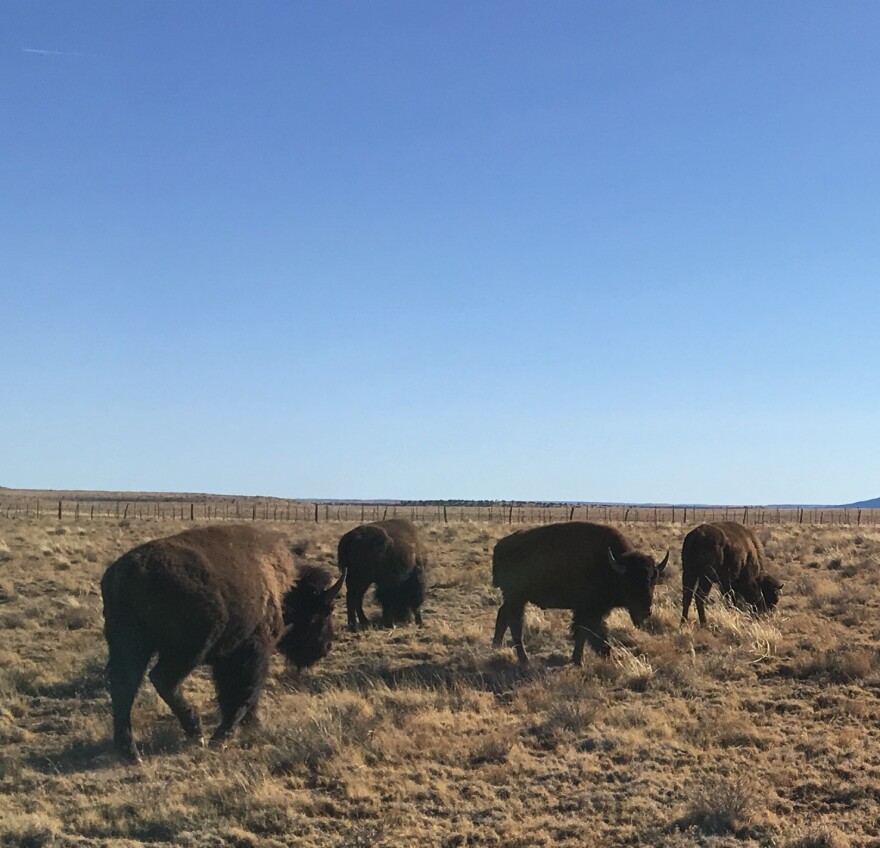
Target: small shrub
{"x":7,"y":591}
{"x":74,"y":616}
{"x":720,"y":806}
{"x":492,"y":748}
{"x":636,"y":671}
{"x":13,"y":620}
{"x":838,"y":666}
{"x":820,"y":837}
{"x":29,"y":831}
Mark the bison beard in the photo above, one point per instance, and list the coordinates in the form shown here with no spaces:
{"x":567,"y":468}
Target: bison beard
{"x":219,"y":596}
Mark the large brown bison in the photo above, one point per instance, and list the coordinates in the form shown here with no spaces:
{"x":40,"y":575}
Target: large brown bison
{"x":730,"y":555}
{"x":221,"y":596}
{"x":389,"y":554}
{"x":588,"y":568}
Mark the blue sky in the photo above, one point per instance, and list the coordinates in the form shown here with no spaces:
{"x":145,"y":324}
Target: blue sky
{"x":567,"y":251}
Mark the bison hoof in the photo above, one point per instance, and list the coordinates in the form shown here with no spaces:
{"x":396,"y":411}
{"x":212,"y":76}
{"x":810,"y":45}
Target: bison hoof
{"x":131,"y":756}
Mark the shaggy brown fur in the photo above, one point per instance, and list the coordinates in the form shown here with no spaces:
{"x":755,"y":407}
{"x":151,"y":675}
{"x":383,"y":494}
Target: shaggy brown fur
{"x":729,"y":554}
{"x":389,"y":554}
{"x":587,"y":568}
{"x":221,"y":596}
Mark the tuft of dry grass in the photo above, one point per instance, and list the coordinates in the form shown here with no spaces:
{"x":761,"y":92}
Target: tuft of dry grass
{"x":720,"y":805}
{"x":819,"y":837}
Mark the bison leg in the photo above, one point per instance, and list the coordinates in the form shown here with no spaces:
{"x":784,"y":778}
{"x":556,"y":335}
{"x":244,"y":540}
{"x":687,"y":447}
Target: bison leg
{"x":239,"y":678}
{"x":354,"y":605}
{"x":590,"y":629}
{"x":167,"y":675}
{"x":689,"y":585}
{"x":703,"y":590}
{"x":128,"y":661}
{"x":412,"y":593}
{"x":515,"y":616}
{"x":500,"y":626}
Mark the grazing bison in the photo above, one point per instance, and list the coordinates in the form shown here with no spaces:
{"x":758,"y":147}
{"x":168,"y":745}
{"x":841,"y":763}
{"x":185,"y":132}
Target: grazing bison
{"x":730,"y":555}
{"x":389,"y":554}
{"x":220,"y":596}
{"x":588,"y":568}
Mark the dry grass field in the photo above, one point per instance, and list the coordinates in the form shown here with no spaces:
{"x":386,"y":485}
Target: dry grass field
{"x":751,"y":732}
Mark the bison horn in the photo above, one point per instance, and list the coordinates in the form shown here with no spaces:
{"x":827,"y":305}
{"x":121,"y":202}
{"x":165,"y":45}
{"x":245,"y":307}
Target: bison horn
{"x":662,"y":565}
{"x":619,"y":567}
{"x":333,"y":591}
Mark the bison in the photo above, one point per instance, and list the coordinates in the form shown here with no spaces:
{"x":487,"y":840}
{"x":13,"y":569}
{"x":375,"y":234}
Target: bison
{"x":730,"y":555}
{"x":590,"y":569}
{"x":389,"y":554}
{"x":219,"y":596}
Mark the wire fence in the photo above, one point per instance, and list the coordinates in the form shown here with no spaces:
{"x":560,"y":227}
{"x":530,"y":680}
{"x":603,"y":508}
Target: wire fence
{"x":500,"y":512}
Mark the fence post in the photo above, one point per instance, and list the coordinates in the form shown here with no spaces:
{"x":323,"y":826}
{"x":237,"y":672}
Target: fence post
{"x":59,"y":510}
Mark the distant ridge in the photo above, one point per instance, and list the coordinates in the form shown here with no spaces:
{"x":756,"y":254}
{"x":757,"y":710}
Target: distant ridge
{"x":873,"y":503}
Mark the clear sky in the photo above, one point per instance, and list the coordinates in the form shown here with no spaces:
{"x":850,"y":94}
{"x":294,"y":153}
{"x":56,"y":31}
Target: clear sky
{"x":612,"y":251}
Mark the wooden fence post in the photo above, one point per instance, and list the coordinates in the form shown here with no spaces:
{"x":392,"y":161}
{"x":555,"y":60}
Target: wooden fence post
{"x":59,"y":510}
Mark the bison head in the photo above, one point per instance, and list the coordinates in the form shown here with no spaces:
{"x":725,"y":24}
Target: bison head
{"x":640,"y":574}
{"x":770,"y":590}
{"x":308,"y":617}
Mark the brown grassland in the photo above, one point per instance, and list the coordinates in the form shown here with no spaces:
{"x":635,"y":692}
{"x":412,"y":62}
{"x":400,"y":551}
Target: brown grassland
{"x":750,"y":732}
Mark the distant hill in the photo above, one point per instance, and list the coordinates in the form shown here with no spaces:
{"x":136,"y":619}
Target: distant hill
{"x":873,"y":503}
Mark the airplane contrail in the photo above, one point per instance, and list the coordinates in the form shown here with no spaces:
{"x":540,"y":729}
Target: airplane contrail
{"x":50,"y":52}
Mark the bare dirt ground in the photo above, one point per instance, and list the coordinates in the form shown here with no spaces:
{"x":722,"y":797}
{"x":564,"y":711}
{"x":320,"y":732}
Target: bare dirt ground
{"x":751,"y":732}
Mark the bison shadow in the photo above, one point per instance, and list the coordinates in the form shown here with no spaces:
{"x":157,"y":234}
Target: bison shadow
{"x":77,"y":756}
{"x":497,"y":675}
